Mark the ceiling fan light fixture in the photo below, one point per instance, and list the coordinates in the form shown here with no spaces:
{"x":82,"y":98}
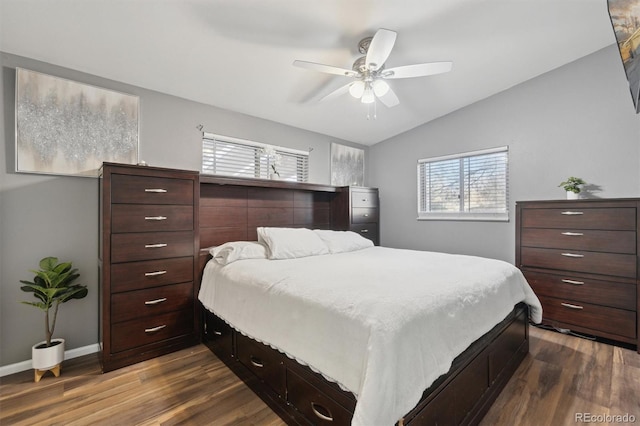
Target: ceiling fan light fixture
{"x":368,"y":96}
{"x":356,"y":89}
{"x":380,"y":88}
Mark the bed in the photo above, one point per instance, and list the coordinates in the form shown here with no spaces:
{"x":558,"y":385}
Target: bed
{"x":319,"y":339}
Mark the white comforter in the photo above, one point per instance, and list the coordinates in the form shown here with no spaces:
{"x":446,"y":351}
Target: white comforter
{"x":383,"y":323}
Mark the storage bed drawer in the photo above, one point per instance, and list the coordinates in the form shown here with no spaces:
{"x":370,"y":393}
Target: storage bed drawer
{"x":313,"y":403}
{"x":263,"y":362}
{"x":218,"y":336}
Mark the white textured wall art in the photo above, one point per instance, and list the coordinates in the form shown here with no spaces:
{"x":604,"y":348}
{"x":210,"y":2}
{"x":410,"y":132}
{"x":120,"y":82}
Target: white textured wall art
{"x":68,"y":128}
{"x":347,"y":165}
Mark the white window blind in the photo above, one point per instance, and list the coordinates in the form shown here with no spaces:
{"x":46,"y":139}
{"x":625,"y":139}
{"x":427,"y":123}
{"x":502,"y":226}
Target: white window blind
{"x":469,"y":186}
{"x":223,"y":155}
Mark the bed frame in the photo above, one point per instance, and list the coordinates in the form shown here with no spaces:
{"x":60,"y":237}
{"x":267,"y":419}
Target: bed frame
{"x":230,"y":210}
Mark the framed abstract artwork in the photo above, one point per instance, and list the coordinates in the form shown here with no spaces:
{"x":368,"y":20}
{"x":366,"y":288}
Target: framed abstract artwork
{"x":68,"y":128}
{"x":347,"y":165}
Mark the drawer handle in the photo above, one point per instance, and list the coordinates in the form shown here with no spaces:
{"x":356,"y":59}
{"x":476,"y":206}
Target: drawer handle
{"x":574,"y":282}
{"x":155,"y":190}
{"x":572,"y":255}
{"x":316,"y":408}
{"x":155,"y":245}
{"x":366,"y":215}
{"x":156,"y":301}
{"x":365,"y":200}
{"x":217,"y":333}
{"x":155,"y":218}
{"x":256,"y":362}
{"x":572,"y":213}
{"x":573,"y":234}
{"x":570,"y":306}
{"x":364,"y":231}
{"x":153,"y":274}
{"x":154,"y":329}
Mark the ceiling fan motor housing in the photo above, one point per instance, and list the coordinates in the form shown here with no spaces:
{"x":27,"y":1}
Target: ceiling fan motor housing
{"x":360,"y":66}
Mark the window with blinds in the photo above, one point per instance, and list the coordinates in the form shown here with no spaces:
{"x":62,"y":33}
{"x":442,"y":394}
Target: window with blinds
{"x":223,"y":155}
{"x":469,"y":186}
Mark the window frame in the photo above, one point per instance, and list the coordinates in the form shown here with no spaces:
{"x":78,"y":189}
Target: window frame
{"x":461,"y":215}
{"x":261,"y":167}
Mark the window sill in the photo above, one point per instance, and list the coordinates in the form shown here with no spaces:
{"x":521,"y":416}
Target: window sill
{"x":466,"y":217}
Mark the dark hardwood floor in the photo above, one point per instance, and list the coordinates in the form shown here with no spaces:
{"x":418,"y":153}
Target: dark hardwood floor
{"x":566,"y":376}
{"x":562,"y":376}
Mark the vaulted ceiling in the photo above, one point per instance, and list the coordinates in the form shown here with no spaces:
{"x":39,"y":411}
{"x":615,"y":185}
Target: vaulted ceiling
{"x":238,"y":54}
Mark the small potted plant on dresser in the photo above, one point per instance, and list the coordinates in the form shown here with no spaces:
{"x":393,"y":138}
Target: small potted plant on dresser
{"x":53,"y":284}
{"x":573,"y":187}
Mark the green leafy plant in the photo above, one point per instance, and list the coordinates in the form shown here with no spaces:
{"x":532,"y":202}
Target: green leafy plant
{"x":52,"y":285}
{"x":572,"y":184}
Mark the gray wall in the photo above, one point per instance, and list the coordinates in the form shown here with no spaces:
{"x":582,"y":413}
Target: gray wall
{"x":54,"y":215}
{"x":577,"y":120}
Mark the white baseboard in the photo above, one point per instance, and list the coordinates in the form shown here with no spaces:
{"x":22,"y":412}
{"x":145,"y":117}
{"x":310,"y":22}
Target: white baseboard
{"x":5,"y":370}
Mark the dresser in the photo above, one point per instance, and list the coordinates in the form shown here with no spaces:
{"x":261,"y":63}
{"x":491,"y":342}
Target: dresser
{"x":581,"y":259}
{"x":357,"y":209}
{"x":147,"y":262}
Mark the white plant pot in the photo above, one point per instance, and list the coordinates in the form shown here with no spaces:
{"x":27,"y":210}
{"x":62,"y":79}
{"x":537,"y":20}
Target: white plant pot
{"x":572,"y":195}
{"x":47,"y":358}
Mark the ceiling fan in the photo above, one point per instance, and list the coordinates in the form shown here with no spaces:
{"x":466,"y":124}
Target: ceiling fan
{"x":370,"y":74}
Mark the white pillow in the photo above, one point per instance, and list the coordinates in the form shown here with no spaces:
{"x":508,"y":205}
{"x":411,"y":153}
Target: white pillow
{"x":343,"y":241}
{"x":238,"y":250}
{"x":290,"y":243}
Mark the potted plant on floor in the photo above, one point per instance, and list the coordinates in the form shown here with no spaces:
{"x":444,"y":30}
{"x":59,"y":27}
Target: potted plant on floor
{"x":53,"y":284}
{"x":572,"y":186}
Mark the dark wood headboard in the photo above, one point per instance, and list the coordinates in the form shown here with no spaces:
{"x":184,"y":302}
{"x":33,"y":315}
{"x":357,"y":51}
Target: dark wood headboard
{"x":232,"y":208}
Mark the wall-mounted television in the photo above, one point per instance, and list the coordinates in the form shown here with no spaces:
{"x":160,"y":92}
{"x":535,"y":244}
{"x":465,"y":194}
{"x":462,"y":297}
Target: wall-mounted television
{"x":625,"y":18}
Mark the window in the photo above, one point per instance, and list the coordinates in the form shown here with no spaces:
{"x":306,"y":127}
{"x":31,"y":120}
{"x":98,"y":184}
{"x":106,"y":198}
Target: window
{"x":469,"y":186}
{"x":222,"y":155}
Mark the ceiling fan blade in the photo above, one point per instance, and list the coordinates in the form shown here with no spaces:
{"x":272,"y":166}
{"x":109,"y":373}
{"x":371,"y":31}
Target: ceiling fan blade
{"x":417,"y":70}
{"x":389,"y":99}
{"x":380,"y":48}
{"x":325,"y":68}
{"x":338,"y":92}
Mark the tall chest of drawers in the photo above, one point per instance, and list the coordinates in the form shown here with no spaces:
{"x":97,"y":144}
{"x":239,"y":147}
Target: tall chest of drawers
{"x":357,"y":209}
{"x":581,"y":259}
{"x":147,"y":261}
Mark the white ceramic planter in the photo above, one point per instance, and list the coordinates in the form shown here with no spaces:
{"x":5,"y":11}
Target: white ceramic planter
{"x":572,"y":195}
{"x":47,"y":358}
